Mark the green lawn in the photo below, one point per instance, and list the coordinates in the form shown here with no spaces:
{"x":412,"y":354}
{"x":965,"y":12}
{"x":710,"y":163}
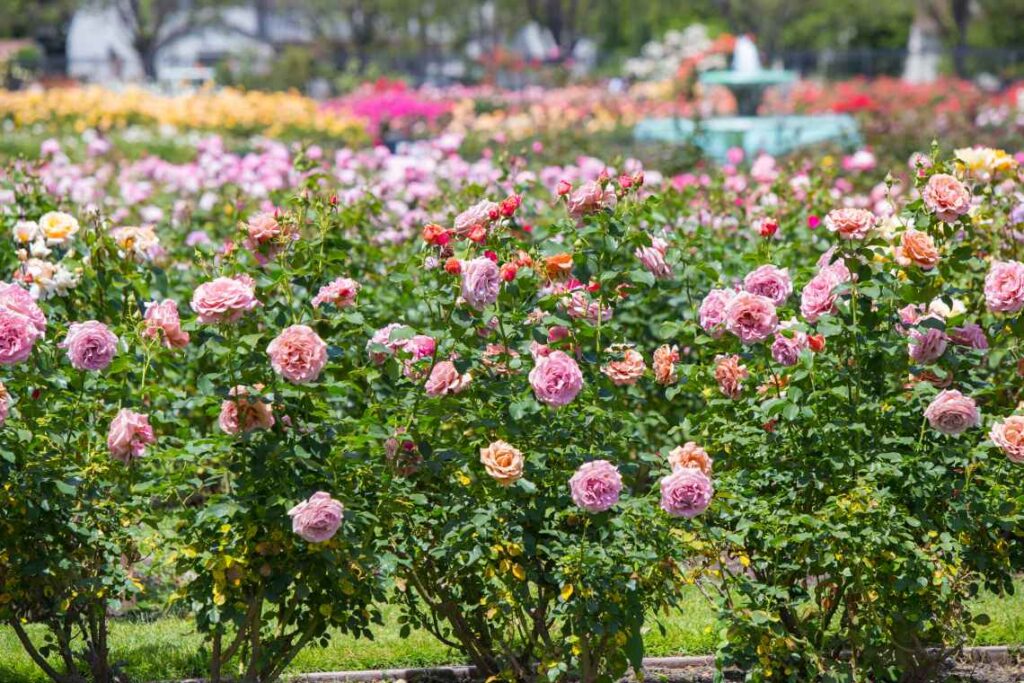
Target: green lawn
{"x":169,"y":648}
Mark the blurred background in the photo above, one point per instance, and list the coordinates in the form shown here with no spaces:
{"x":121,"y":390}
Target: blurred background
{"x":328,"y":47}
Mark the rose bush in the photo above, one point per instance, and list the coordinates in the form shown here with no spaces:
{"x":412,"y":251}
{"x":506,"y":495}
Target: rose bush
{"x":526,"y":405}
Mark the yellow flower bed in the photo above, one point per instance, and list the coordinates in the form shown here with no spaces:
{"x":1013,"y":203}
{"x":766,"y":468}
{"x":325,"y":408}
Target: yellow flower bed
{"x":270,"y":113}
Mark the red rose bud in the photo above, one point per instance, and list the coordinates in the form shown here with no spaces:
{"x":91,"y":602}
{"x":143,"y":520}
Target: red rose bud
{"x":769,"y":227}
{"x":333,"y":201}
{"x":453,"y":266}
{"x":769,"y":426}
{"x":35,"y":394}
{"x":509,"y":205}
{"x":491,"y":255}
{"x":493,"y":214}
{"x":508,"y":272}
{"x":813,"y":222}
{"x":594,"y":287}
{"x":816,"y":342}
{"x":527,"y":228}
{"x":638,"y":179}
{"x":564,"y":188}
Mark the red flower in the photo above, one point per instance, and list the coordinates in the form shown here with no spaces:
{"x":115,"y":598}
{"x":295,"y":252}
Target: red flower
{"x":453,"y":266}
{"x":508,"y":272}
{"x":769,"y":227}
{"x":435,"y":234}
{"x":564,"y":188}
{"x":816,"y":342}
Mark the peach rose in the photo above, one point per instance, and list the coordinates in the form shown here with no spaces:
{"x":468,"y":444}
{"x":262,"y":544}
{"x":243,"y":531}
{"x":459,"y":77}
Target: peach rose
{"x":1008,"y":434}
{"x":729,"y":374}
{"x":851,"y":224}
{"x":690,"y":455}
{"x":298,"y":354}
{"x":665,"y":359}
{"x":627,"y":370}
{"x":916,"y":248}
{"x":503,"y":462}
{"x":243,"y":413}
{"x":946,"y":197}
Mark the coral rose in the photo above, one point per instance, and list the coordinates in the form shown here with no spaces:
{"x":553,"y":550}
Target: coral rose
{"x":627,"y":370}
{"x":946,"y":197}
{"x":298,"y":354}
{"x":503,"y":462}
{"x":690,"y":455}
{"x":916,"y":248}
{"x":665,"y":359}
{"x":243,"y":412}
{"x":729,"y":374}
{"x":1008,"y":434}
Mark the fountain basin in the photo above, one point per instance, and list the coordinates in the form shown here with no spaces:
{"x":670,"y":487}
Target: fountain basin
{"x":771,"y":134}
{"x":747,"y":86}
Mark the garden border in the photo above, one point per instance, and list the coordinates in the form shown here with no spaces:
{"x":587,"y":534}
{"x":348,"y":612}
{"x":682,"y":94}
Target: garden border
{"x":985,"y":654}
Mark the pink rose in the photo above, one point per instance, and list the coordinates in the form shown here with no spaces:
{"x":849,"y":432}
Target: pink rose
{"x":751,"y":317}
{"x":445,"y":379}
{"x":653,"y":258}
{"x":18,"y":336}
{"x":129,"y":434}
{"x":851,"y":224}
{"x":383,"y":338}
{"x":298,"y":354}
{"x":556,"y":379}
{"x":818,"y":297}
{"x":786,"y":350}
{"x":90,"y":345}
{"x":317,"y":519}
{"x":479,"y":215}
{"x":729,"y":374}
{"x":946,"y":197}
{"x":1008,"y":435}
{"x":162,"y":321}
{"x":596,"y":486}
{"x":627,"y":370}
{"x":686,"y":492}
{"x":690,"y":455}
{"x":970,"y":335}
{"x":16,"y":298}
{"x":1004,"y":287}
{"x":928,"y":345}
{"x":341,"y":293}
{"x":712,"y":311}
{"x":481,"y":280}
{"x":266,"y":237}
{"x":771,"y":282}
{"x":952,"y":413}
{"x":243,"y":412}
{"x":590,"y":197}
{"x":224,"y":300}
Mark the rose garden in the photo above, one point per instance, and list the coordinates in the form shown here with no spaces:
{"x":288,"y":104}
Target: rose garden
{"x":282,"y":395}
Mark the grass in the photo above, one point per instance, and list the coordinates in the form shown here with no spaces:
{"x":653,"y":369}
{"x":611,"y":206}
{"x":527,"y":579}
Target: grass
{"x":169,"y":648}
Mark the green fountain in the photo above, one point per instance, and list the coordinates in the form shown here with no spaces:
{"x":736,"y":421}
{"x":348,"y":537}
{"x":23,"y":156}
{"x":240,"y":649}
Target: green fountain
{"x":747,"y":80}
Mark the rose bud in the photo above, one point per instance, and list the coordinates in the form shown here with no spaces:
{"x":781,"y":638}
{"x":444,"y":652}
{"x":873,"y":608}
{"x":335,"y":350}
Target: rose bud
{"x":816,"y":342}
{"x":564,"y":188}
{"x":508,"y":272}
{"x":769,"y":227}
{"x":453,"y":266}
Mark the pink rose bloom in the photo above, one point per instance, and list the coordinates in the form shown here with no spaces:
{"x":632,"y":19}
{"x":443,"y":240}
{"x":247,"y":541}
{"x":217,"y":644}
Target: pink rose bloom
{"x":952,"y":413}
{"x":17,"y":337}
{"x":818,"y":297}
{"x":928,"y":345}
{"x":751,"y":317}
{"x":786,"y":350}
{"x":341,"y":292}
{"x":690,"y":455}
{"x":1004,"y":287}
{"x":946,"y":197}
{"x":90,"y":345}
{"x":851,"y":224}
{"x":556,"y":379}
{"x":686,"y":492}
{"x":445,"y":379}
{"x":16,"y":298}
{"x":317,"y":519}
{"x":298,"y":354}
{"x":162,"y":321}
{"x":712,"y":311}
{"x":627,"y":370}
{"x":729,"y":374}
{"x":910,"y":314}
{"x":653,"y":258}
{"x":266,"y":237}
{"x":771,"y":282}
{"x":478,"y":215}
{"x":596,"y":485}
{"x":481,"y":280}
{"x":129,"y":434}
{"x":224,"y":300}
{"x":383,"y":337}
{"x":970,"y":335}
{"x":590,"y":197}
{"x":1008,"y":435}
{"x":243,"y":413}
{"x":420,"y":346}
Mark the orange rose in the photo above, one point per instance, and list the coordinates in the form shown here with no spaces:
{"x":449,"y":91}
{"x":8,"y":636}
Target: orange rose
{"x":916,"y":248}
{"x":690,"y":455}
{"x":503,"y":462}
{"x":558,"y":266}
